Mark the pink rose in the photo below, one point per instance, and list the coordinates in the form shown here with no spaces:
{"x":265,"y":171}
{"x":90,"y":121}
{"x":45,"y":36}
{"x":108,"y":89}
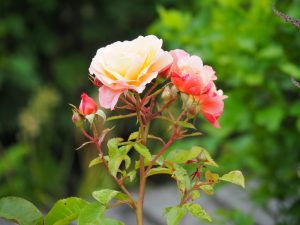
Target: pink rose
{"x":87,"y":105}
{"x":128,"y":65}
{"x":189,"y":74}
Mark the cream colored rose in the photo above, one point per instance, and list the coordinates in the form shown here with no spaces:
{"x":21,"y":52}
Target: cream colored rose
{"x":128,"y":65}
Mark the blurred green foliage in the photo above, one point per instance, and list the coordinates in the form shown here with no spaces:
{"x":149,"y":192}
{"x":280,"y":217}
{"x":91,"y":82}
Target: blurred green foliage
{"x":45,"y":51}
{"x":254,"y":53}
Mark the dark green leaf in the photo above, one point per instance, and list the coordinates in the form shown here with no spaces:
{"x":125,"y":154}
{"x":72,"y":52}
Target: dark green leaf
{"x":92,"y":214}
{"x":65,"y":211}
{"x":20,"y":210}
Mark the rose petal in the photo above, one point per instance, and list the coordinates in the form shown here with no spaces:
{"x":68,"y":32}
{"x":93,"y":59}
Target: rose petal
{"x":211,"y":107}
{"x":108,"y":97}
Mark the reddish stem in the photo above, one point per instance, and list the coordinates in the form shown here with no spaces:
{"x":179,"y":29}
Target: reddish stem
{"x":119,"y":182}
{"x":161,"y":151}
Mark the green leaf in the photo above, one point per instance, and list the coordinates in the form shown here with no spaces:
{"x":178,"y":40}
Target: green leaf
{"x":159,"y":170}
{"x":20,"y":210}
{"x":116,"y":154}
{"x":151,"y":136}
{"x":127,"y":160}
{"x":143,"y":150}
{"x":92,"y":214}
{"x":90,"y":118}
{"x":101,"y":114}
{"x":186,"y":125}
{"x":65,"y":211}
{"x":197,"y":211}
{"x":138,"y":163}
{"x":120,"y":116}
{"x":95,"y":161}
{"x":182,"y":178}
{"x":208,"y":189}
{"x":131,"y":175}
{"x":235,"y":177}
{"x":174,"y":214}
{"x":106,"y":195}
{"x":109,"y":221}
{"x":205,"y":156}
{"x":133,"y":136}
{"x":195,"y":195}
{"x":192,"y":134}
{"x":182,"y":156}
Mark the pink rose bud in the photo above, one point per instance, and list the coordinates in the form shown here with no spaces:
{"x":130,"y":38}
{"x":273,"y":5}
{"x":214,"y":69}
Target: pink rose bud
{"x":77,"y":119}
{"x":87,"y":105}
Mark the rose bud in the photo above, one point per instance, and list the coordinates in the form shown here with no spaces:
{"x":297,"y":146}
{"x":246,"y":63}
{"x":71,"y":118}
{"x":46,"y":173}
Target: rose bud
{"x":87,"y":105}
{"x":166,"y":94}
{"x":77,"y":119}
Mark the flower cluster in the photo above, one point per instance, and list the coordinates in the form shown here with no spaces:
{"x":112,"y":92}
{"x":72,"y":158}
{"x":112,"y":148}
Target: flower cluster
{"x":140,"y":77}
{"x":130,"y":65}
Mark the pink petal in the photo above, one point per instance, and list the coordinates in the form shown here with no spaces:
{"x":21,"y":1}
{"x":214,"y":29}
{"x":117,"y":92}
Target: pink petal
{"x":212,"y":108}
{"x":108,"y":97}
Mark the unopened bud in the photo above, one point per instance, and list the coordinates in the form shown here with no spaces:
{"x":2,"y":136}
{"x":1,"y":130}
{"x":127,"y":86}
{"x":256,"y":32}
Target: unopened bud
{"x":174,"y":90}
{"x":190,"y":104}
{"x":166,"y":95}
{"x":77,"y":119}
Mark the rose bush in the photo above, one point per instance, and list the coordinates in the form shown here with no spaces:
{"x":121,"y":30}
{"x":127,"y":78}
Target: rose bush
{"x":129,"y":66}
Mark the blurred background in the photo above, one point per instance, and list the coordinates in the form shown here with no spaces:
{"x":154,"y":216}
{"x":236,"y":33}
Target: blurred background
{"x":45,"y":51}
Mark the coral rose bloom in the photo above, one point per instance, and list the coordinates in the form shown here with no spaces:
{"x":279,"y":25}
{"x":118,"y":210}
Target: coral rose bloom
{"x":128,"y":65}
{"x":189,"y":74}
{"x":211,"y":105}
